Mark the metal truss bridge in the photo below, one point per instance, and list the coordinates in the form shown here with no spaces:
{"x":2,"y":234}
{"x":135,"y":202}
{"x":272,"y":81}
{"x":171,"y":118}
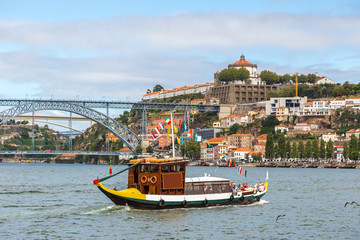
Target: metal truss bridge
{"x":85,"y":108}
{"x":46,"y":152}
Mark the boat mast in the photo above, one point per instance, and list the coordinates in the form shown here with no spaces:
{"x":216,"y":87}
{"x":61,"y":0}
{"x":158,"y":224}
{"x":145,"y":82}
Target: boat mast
{"x":172,"y":133}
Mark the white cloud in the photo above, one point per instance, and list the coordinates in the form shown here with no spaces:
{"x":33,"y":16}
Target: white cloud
{"x":121,"y":57}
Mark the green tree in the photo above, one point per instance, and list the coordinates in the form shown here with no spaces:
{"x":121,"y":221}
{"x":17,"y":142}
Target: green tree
{"x":149,"y":149}
{"x":157,"y":88}
{"x":294,"y":151}
{"x":190,"y":149}
{"x":346,"y":150}
{"x":138,"y":149}
{"x":233,"y":74}
{"x":287,"y":149}
{"x":234,"y":128}
{"x":268,"y":124}
{"x":269,"y":147}
{"x":353,"y":144}
{"x":308,"y":149}
{"x":315,"y":148}
{"x":329,"y":149}
{"x":281,"y":145}
{"x":24,"y":133}
{"x":322,"y":151}
{"x":276,"y":151}
{"x":269,"y":77}
{"x":301,"y":150}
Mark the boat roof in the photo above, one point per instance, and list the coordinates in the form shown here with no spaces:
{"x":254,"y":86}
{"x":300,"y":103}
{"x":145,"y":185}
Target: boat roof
{"x":158,"y":161}
{"x":206,"y":179}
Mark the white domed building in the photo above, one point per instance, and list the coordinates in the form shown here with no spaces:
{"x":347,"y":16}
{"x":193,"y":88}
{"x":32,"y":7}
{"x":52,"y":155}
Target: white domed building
{"x":254,"y":78}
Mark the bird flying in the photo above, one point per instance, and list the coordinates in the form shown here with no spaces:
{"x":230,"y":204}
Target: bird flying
{"x":351,"y":203}
{"x":281,"y":215}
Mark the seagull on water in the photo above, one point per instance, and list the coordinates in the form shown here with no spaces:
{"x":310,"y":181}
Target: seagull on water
{"x":351,"y":203}
{"x":281,"y":215}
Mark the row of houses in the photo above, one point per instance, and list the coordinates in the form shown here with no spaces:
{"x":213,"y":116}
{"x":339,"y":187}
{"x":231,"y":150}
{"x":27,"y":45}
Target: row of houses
{"x":283,"y":107}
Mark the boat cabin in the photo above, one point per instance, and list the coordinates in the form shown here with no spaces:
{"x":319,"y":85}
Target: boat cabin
{"x":158,"y":176}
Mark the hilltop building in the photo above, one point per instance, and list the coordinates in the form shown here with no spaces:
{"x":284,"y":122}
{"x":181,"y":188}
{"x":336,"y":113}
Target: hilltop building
{"x":238,"y":92}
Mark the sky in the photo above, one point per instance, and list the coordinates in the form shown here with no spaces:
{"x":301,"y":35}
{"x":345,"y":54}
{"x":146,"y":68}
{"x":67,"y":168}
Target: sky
{"x":116,"y":50}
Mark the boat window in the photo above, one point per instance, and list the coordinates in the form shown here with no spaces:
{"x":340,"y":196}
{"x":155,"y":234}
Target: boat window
{"x":226,"y":187}
{"x":208,"y":188}
{"x":198,"y":188}
{"x":180,"y":168}
{"x":164,"y":168}
{"x":172,"y":168}
{"x":154,"y":168}
{"x":144,"y":168}
{"x":189,"y":188}
{"x":217,"y":188}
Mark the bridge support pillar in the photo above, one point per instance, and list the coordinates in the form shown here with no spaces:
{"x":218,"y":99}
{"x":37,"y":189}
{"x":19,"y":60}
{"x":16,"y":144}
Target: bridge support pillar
{"x":143,"y":124}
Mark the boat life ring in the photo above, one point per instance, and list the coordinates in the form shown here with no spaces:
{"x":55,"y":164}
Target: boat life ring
{"x":143,"y":179}
{"x":185,"y":203}
{"x":231,"y":198}
{"x":153,"y":179}
{"x":242,"y":198}
{"x":161,"y":203}
{"x":206,"y":202}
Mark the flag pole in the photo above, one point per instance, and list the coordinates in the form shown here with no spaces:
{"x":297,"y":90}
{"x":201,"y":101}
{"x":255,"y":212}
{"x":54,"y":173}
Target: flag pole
{"x":172,"y":133}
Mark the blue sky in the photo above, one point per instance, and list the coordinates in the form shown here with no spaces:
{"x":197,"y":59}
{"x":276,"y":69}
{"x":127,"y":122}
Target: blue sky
{"x":118,"y":49}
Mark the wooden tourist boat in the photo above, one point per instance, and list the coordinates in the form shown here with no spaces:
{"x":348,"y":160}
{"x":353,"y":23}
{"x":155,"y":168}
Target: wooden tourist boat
{"x":161,"y":183}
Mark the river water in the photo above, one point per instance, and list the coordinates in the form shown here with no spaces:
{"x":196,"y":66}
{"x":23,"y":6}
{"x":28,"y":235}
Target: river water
{"x":58,"y":201}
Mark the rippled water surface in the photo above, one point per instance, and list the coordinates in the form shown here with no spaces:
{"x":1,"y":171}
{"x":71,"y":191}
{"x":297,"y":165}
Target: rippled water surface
{"x":58,"y":201}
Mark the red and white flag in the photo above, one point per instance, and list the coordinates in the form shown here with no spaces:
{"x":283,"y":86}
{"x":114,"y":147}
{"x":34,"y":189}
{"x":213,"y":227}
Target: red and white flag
{"x":239,"y":170}
{"x":157,"y":130}
{"x":162,"y":125}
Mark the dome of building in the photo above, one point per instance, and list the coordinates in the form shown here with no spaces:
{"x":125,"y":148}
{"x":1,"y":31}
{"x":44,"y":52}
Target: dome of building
{"x":242,"y":61}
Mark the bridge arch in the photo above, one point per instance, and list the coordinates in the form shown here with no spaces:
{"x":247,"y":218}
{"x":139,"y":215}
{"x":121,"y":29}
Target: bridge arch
{"x":129,"y":138}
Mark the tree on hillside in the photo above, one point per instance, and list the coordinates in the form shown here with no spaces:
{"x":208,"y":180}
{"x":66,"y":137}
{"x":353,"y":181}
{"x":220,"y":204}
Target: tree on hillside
{"x":301,"y":149}
{"x":269,"y":77}
{"x":315,"y":148}
{"x":138,"y":149}
{"x":233,"y":128}
{"x":322,"y":151}
{"x":294,"y":151}
{"x":233,"y":74}
{"x":269,"y":147}
{"x":329,"y":149}
{"x":282,"y":147}
{"x":149,"y":149}
{"x":346,"y":150}
{"x":287,"y":149}
{"x":308,"y":149}
{"x":190,"y":149}
{"x":353,"y":144}
{"x":157,"y":88}
{"x":268,"y":124}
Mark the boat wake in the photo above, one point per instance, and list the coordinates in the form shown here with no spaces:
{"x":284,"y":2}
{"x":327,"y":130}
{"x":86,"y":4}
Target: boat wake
{"x":108,"y":210}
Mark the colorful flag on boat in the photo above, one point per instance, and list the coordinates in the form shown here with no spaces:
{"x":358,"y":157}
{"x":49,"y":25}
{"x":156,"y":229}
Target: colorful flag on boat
{"x":179,"y":122}
{"x":168,"y":137}
{"x":230,"y":163}
{"x":245,"y":172}
{"x":184,"y":127}
{"x":178,"y":139}
{"x":169,"y":130}
{"x":162,"y":125}
{"x":110,"y":170}
{"x":239,"y":170}
{"x":175,"y":130}
{"x":167,"y":120}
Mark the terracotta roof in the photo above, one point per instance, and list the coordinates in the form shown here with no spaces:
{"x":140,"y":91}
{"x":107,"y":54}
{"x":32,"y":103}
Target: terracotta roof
{"x":125,"y":149}
{"x":318,"y":79}
{"x":151,"y":93}
{"x":232,"y":116}
{"x":217,"y":140}
{"x":353,"y":130}
{"x":257,"y":153}
{"x":260,"y":143}
{"x":242,"y":61}
{"x":308,"y":103}
{"x":263,"y":136}
{"x":281,"y":125}
{"x":68,"y":155}
{"x":241,"y":135}
{"x":243,"y":150}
